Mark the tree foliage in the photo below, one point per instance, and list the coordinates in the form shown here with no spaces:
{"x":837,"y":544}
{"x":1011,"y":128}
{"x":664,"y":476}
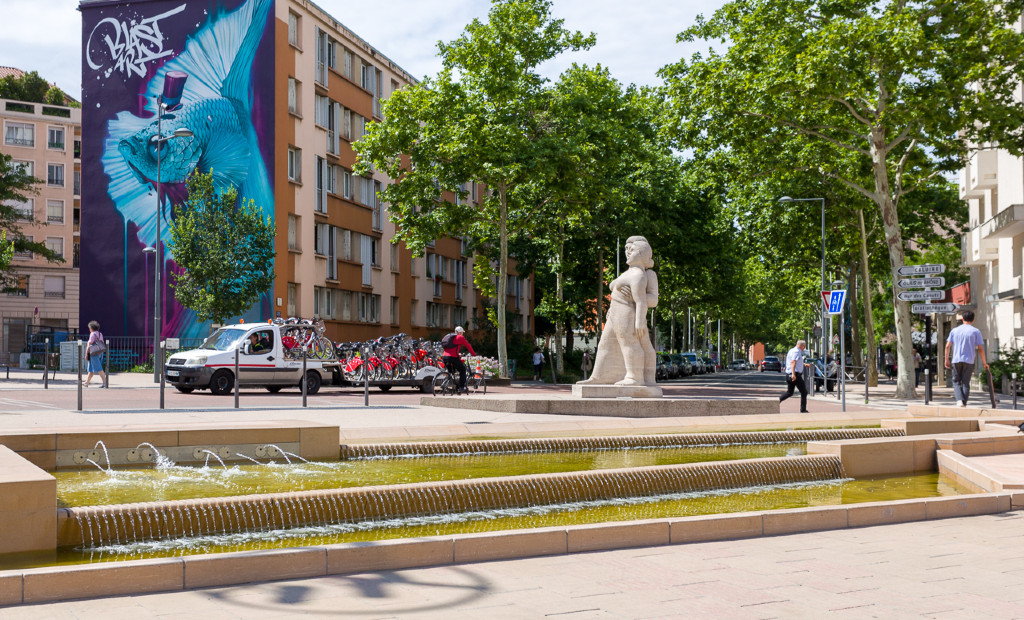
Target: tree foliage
{"x":16,"y":186}
{"x":481,"y":119}
{"x":882,"y":98}
{"x":32,"y":88}
{"x":226,"y":250}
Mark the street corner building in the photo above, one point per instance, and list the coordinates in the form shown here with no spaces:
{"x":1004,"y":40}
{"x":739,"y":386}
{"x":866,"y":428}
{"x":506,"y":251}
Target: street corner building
{"x":274,"y":93}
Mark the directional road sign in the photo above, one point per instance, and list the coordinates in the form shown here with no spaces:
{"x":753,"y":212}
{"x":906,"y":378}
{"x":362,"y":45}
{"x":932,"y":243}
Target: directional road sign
{"x":920,"y":270}
{"x":920,"y":295}
{"x":929,"y":308}
{"x":936,"y":282}
{"x":835,"y":300}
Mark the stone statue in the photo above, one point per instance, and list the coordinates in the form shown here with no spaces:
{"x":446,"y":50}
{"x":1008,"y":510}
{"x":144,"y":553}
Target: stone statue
{"x":625,"y":356}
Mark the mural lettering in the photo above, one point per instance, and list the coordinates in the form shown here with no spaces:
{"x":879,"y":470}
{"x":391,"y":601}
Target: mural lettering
{"x":129,"y":45}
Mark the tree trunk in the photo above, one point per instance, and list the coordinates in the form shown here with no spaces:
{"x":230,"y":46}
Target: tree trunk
{"x":560,"y":323}
{"x":894,"y":242}
{"x":599,"y":306}
{"x":855,"y":343}
{"x":869,"y":320}
{"x":672,"y":328}
{"x":502,"y":280}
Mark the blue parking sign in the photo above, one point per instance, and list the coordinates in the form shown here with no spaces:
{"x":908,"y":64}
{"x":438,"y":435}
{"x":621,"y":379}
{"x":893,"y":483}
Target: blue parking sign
{"x":836,"y":301}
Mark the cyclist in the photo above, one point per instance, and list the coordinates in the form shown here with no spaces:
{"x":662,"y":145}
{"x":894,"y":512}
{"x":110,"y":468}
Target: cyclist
{"x":451,"y":344}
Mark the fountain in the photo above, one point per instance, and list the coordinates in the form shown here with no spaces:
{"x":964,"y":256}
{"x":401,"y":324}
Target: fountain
{"x":436,"y":508}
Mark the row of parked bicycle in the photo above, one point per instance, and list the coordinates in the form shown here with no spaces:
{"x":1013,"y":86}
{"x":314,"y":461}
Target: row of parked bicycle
{"x":391,"y":358}
{"x":676,"y":365}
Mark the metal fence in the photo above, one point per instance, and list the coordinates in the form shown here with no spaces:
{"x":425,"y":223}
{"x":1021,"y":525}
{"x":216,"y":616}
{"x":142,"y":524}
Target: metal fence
{"x":127,"y":352}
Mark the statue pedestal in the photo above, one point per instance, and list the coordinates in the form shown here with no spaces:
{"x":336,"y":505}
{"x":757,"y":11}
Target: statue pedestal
{"x":588,"y":390}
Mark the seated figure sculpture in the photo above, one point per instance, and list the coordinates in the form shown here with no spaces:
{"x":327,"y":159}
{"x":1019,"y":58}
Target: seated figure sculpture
{"x":625,"y":356}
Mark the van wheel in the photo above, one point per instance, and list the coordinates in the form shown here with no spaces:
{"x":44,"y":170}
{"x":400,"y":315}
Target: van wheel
{"x":312,"y":382}
{"x":222,"y":383}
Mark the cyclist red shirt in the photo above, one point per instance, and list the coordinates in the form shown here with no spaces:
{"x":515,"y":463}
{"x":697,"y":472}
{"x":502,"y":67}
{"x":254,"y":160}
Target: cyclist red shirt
{"x":460,"y":341}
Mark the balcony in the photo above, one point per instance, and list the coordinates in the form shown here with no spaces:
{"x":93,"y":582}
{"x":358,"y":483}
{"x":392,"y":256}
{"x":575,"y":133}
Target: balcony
{"x":1006,"y":224}
{"x":56,"y":146}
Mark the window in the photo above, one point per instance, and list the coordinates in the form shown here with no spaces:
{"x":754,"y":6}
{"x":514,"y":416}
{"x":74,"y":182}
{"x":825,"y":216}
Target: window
{"x":53,"y":286}
{"x":20,"y":134}
{"x":377,"y":222}
{"x":76,"y":255}
{"x":55,"y":175}
{"x":28,"y":166}
{"x":472,"y":190}
{"x":321,"y":181}
{"x":366,"y":193}
{"x":322,"y":50}
{"x":412,"y":311}
{"x":346,"y":183}
{"x":367,"y":245}
{"x":55,"y":245}
{"x":394,"y":258}
{"x":293,"y":95}
{"x":294,"y":33}
{"x":55,"y":138}
{"x":26,"y":209}
{"x":20,"y":288}
{"x":459,"y":315}
{"x":55,"y":211}
{"x":322,"y":111}
{"x":346,"y":123}
{"x":323,"y":302}
{"x":321,"y":241}
{"x":26,"y":254}
{"x":293,"y":232}
{"x":346,"y":243}
{"x":78,"y":182}
{"x":294,"y":164}
{"x":394,"y":311}
{"x":344,"y":307}
{"x":369,"y":308}
{"x":293,"y":298}
{"x":347,"y":64}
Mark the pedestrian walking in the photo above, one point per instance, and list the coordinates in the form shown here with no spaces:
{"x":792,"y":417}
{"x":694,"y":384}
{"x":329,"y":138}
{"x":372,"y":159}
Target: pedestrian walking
{"x":917,"y":368}
{"x":795,"y":375}
{"x":890,"y":365}
{"x":95,"y":349}
{"x":963,"y":342}
{"x":538,"y":363}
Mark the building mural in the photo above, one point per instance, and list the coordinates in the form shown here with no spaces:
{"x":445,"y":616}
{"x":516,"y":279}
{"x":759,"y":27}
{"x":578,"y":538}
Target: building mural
{"x":209,"y":64}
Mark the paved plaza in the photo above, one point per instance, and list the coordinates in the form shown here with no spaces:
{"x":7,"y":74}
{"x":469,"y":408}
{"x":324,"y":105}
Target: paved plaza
{"x":954,"y":568}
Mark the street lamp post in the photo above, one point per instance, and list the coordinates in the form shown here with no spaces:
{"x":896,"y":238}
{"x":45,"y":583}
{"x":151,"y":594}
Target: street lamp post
{"x":824,"y":315}
{"x":158,"y":140}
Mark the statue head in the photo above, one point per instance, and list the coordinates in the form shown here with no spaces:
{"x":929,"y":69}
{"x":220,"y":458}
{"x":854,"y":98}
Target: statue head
{"x":639,"y":252}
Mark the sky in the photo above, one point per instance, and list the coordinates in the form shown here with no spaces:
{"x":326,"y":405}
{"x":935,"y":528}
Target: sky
{"x":634,"y":39}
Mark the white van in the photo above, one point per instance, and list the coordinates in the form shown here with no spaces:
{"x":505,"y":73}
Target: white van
{"x":263,"y":361}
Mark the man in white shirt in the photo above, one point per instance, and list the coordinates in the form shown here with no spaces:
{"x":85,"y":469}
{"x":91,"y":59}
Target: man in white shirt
{"x":795,"y":374}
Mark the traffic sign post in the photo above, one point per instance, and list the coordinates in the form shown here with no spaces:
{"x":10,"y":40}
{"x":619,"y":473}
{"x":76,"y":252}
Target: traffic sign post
{"x":919,"y":295}
{"x":929,"y":308}
{"x":920,"y":270}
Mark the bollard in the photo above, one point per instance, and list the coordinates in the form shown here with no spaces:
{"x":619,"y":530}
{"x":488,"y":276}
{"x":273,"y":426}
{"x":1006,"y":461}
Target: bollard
{"x":1014,"y":389}
{"x":304,"y":379}
{"x":46,"y":365}
{"x":586,"y":358}
{"x":927,"y":387}
{"x":163,"y":374}
{"x":236,"y":378}
{"x":366,"y":378}
{"x":80,"y":360}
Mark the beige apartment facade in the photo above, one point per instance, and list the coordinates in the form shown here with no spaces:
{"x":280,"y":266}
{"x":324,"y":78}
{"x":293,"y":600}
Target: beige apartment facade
{"x":335,"y":256}
{"x":46,"y":141}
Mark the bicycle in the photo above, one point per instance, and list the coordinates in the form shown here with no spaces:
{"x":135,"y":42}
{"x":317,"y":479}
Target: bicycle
{"x":446,"y":383}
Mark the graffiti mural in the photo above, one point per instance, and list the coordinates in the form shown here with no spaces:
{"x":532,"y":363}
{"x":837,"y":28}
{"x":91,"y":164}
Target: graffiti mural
{"x":169,"y":88}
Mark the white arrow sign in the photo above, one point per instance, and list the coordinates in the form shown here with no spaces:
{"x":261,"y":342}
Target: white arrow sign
{"x":920,"y":295}
{"x":936,"y":282}
{"x":929,"y":308}
{"x":920,"y":270}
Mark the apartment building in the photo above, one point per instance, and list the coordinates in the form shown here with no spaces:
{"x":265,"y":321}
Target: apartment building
{"x":337,"y":260}
{"x":992,"y":184}
{"x":310,"y":88}
{"x":45,"y":140}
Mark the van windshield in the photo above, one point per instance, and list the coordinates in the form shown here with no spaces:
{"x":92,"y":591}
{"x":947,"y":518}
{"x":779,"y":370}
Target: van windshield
{"x":223,"y":339}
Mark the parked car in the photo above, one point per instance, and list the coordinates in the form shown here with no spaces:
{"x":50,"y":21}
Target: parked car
{"x":738,"y":364}
{"x":771,"y":363}
{"x":666,"y":368}
{"x":695,"y":362}
{"x":710,"y":365}
{"x":684,"y":365}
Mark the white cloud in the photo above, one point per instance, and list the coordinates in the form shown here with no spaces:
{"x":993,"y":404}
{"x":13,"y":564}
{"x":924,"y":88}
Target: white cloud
{"x":634,"y":39}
